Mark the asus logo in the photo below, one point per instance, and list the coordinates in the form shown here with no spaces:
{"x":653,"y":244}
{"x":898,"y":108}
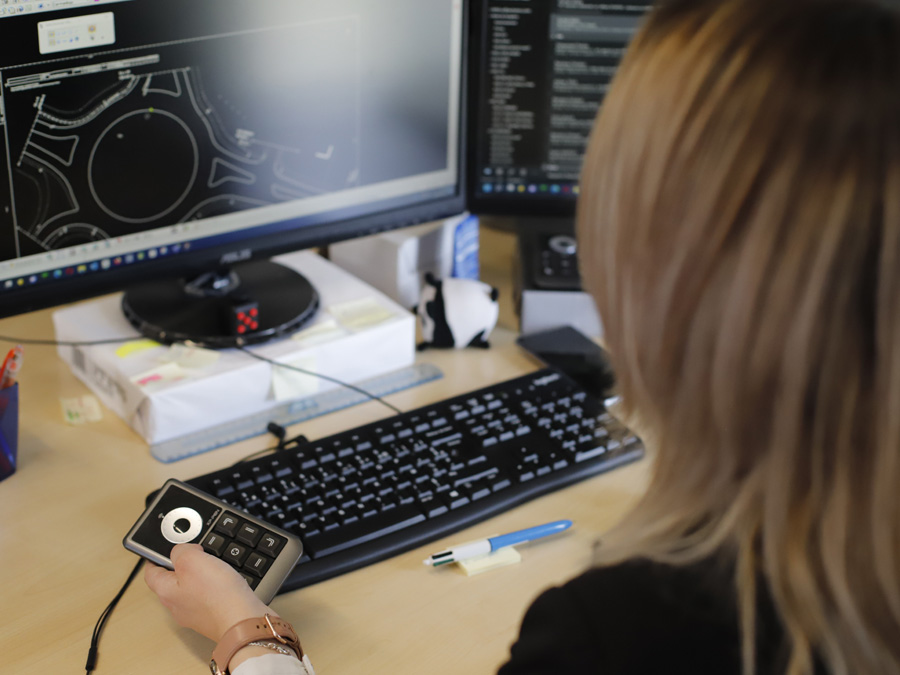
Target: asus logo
{"x":236,"y":256}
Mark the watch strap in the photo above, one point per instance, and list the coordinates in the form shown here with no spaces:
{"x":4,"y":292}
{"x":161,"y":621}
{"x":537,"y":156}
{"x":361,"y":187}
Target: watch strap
{"x":241,"y":634}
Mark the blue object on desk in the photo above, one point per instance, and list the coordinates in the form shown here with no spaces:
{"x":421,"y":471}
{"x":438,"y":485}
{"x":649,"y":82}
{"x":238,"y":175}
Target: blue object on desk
{"x":484,"y":546}
{"x":465,"y":249}
{"x":529,"y":534}
{"x":9,"y":430}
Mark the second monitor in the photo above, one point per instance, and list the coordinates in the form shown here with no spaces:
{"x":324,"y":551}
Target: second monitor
{"x":540,"y":70}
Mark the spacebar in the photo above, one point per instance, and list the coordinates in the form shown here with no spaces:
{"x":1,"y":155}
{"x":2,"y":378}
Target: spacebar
{"x":363,"y":530}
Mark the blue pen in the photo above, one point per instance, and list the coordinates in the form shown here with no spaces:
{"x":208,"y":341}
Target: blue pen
{"x":485,"y":546}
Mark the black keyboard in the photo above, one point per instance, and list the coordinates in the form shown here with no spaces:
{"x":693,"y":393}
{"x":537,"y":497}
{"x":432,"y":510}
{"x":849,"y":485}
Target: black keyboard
{"x":374,"y":491}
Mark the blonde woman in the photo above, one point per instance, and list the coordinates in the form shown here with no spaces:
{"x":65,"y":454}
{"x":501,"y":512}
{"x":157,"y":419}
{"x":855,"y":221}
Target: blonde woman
{"x":740,"y":231}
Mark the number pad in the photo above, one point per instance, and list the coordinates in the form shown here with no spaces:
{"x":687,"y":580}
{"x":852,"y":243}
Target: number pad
{"x":247,"y":547}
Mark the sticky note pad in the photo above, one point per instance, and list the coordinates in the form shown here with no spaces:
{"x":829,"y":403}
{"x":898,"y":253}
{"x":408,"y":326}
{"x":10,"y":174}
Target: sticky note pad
{"x":289,"y":384}
{"x":81,"y":410}
{"x":361,"y":314}
{"x":491,"y":561}
{"x":158,"y":377}
{"x":135,"y":347}
{"x":191,"y":357}
{"x":324,"y":331}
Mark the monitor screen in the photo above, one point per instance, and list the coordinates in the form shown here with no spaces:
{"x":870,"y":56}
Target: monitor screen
{"x":147,"y":138}
{"x":540,"y":69}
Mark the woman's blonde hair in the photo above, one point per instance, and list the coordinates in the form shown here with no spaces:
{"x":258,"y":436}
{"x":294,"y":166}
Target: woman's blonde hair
{"x":740,"y":230}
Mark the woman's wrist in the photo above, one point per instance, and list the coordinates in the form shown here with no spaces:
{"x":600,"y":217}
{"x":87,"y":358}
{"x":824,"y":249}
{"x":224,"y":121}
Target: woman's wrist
{"x":237,"y":614}
{"x":252,"y":637}
{"x":255,"y":649}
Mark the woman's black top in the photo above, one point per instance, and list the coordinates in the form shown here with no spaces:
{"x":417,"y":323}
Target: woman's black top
{"x":643,"y":618}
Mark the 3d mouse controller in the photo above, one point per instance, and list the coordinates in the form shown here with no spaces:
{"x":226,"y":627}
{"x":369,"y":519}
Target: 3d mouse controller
{"x":245,"y":317}
{"x":181,"y":514}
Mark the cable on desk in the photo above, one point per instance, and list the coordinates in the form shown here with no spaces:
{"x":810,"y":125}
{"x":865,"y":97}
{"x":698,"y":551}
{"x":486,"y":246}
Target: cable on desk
{"x":93,"y":343}
{"x":101,"y":622}
{"x":58,"y":343}
{"x":321,"y":376}
{"x":275,"y":429}
{"x":284,"y":443}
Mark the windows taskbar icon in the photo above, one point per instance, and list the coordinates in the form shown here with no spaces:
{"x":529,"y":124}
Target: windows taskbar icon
{"x":532,"y":188}
{"x":97,"y":265}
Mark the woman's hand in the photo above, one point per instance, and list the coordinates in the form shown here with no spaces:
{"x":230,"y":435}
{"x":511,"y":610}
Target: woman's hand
{"x":203,"y":593}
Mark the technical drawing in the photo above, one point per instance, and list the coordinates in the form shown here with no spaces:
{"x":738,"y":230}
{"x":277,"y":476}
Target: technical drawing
{"x":110,"y":148}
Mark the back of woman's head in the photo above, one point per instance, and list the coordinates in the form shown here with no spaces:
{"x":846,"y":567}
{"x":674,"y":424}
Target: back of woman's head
{"x":740,"y":230}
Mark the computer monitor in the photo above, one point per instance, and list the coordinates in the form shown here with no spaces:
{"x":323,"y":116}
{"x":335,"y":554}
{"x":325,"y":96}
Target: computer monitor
{"x":540,"y":70}
{"x":172,"y":146}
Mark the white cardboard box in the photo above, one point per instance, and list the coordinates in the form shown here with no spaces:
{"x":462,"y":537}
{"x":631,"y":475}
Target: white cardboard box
{"x":358,"y":333}
{"x":395,"y":262}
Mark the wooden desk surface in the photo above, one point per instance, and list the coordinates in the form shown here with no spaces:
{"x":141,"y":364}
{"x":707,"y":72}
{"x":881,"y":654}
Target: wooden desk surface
{"x":79,"y":488}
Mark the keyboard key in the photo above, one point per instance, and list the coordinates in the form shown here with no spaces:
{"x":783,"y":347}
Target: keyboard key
{"x":436,"y":508}
{"x":455,"y":499}
{"x":502,"y":484}
{"x":585,"y":455}
{"x":478,"y":490}
{"x":219,"y":488}
{"x":241,"y":481}
{"x":363,"y":531}
{"x":474,"y":477}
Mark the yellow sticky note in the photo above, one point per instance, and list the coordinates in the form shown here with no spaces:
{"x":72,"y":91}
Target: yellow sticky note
{"x":289,"y":384}
{"x":500,"y":558}
{"x":191,"y":357}
{"x":324,"y":331}
{"x":358,"y":315}
{"x":130,"y":348}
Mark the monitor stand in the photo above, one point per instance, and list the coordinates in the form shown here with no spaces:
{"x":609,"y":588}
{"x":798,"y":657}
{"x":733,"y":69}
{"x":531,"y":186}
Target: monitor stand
{"x":246,"y":304}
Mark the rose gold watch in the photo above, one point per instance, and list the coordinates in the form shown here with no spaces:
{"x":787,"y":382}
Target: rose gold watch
{"x":243,"y":633}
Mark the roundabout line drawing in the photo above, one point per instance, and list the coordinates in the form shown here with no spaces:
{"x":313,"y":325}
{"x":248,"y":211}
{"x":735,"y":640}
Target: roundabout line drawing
{"x":114,"y":130}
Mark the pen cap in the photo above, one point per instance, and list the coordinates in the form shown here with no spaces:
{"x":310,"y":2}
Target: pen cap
{"x":9,"y":430}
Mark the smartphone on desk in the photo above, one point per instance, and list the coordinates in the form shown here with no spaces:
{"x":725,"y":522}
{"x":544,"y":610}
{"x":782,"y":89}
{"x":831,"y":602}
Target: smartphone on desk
{"x":575,"y":354}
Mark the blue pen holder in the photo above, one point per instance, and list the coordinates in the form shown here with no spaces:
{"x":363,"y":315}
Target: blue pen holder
{"x":9,"y":430}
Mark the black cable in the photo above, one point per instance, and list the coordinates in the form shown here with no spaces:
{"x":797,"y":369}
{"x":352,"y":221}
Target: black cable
{"x":289,"y":444}
{"x":58,"y":343}
{"x":277,"y":430}
{"x":320,"y":375}
{"x":101,"y":622}
{"x":92,"y":343}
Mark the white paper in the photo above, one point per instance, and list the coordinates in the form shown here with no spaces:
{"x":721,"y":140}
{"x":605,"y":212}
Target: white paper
{"x":289,"y":384}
